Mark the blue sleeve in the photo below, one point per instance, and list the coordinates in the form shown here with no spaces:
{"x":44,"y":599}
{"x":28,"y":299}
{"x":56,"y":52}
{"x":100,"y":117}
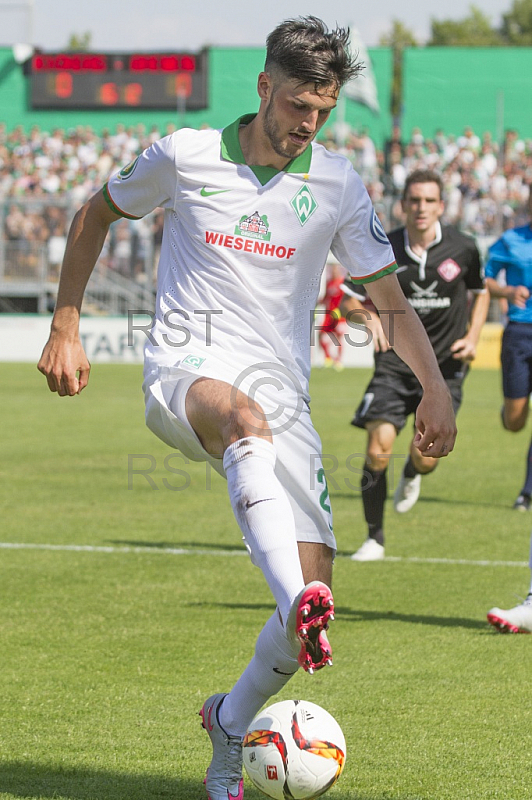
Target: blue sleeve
{"x":497,"y":258}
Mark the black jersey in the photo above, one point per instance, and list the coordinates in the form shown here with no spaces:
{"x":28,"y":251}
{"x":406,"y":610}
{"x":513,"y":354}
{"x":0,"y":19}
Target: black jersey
{"x":436,"y":285}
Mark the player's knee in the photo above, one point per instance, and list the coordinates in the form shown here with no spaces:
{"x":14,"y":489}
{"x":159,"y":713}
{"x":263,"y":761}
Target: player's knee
{"x":377,"y":456}
{"x":513,"y":424}
{"x":427,"y":465}
{"x":514,"y":414}
{"x":377,"y":462}
{"x":246,"y":419}
{"x":381,"y":437}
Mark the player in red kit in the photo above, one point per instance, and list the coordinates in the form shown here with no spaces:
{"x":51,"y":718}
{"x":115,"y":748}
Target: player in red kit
{"x":327,"y":321}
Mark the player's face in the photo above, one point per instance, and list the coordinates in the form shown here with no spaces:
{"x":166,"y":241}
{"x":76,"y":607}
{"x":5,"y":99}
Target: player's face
{"x":294,"y":114}
{"x":422,"y":206}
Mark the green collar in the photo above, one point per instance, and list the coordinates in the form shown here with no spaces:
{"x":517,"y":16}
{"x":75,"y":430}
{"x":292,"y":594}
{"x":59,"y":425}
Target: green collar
{"x":231,"y":151}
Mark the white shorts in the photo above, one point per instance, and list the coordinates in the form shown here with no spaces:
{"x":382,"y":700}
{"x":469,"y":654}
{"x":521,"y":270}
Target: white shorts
{"x":298,"y":448}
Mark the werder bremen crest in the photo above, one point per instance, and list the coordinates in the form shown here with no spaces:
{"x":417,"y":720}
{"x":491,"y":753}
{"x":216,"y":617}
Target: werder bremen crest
{"x":304,"y":204}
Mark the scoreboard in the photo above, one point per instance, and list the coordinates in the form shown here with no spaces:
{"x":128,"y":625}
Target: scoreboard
{"x":118,"y":80}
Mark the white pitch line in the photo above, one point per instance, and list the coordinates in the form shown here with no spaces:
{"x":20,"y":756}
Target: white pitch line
{"x":90,"y":548}
{"x":465,"y":561}
{"x":182,"y":551}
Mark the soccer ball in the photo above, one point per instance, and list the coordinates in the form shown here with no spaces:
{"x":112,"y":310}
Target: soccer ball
{"x":294,"y":749}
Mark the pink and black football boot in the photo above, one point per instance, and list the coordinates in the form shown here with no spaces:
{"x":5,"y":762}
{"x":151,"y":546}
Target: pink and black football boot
{"x":308,"y":621}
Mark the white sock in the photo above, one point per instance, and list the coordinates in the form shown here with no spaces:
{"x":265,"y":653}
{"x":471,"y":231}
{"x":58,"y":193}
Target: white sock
{"x":272,"y":666}
{"x":264,"y":514}
{"x":530,"y":564}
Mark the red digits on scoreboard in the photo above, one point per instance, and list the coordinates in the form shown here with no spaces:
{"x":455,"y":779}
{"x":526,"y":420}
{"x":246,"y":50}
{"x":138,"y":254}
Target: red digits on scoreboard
{"x":118,"y":80}
{"x":164,"y":62}
{"x":132,"y":94}
{"x":109,"y":94}
{"x":183,"y":85}
{"x":169,"y":63}
{"x":63,"y":84}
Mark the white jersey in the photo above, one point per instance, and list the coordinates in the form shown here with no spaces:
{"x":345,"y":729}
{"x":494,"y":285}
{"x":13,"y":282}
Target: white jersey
{"x":244,"y":248}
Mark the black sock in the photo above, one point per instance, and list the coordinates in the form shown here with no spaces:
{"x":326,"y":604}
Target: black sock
{"x":527,"y":488}
{"x":376,"y":532}
{"x":374,"y":490}
{"x":409,"y":470}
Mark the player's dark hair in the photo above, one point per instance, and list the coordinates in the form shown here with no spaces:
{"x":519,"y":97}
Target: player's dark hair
{"x":303,"y":49}
{"x":423,"y":176}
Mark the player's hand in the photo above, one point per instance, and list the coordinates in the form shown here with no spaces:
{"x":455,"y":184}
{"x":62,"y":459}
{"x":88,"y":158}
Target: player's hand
{"x":64,"y":364}
{"x":435,"y":423}
{"x":464,"y":350}
{"x":374,"y":326}
{"x":517,"y":295}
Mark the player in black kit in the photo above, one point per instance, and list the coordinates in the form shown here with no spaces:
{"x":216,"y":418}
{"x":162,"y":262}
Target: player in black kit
{"x":439,"y":270}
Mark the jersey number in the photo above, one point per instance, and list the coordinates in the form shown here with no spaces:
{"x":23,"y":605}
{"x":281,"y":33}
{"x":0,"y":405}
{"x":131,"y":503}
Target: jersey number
{"x":324,"y":496}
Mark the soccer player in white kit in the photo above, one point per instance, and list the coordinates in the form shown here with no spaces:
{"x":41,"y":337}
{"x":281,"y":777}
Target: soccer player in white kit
{"x":251,"y":213}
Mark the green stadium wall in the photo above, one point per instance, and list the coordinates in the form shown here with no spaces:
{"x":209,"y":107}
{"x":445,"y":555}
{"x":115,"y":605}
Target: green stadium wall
{"x":489,"y":89}
{"x":444,"y":87}
{"x":232,"y":91}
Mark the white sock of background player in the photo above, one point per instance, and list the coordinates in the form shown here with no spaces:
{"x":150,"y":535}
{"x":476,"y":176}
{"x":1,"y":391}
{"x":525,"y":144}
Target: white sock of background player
{"x":530,"y":564}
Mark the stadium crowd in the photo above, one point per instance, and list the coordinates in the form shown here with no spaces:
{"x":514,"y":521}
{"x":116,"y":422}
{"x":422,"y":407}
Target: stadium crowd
{"x":46,"y":176}
{"x":485,"y":184}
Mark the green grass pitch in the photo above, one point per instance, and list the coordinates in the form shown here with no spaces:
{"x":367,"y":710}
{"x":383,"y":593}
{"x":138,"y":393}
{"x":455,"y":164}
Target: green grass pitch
{"x":108,"y":653}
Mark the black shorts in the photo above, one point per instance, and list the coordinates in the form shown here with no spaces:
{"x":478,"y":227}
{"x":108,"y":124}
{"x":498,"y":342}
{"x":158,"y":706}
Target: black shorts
{"x":393,"y":396}
{"x":516,"y":360}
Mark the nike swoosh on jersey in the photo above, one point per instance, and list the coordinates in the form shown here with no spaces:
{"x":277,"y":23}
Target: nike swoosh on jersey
{"x":208,"y":193}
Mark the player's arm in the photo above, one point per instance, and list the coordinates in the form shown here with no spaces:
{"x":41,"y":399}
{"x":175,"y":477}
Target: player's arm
{"x":515,"y":295}
{"x":435,"y":422}
{"x":356,"y":314}
{"x":499,"y":259}
{"x":465,"y":349}
{"x":63,"y":360}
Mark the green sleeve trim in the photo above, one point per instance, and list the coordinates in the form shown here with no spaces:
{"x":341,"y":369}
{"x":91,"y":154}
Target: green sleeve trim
{"x":375,"y":275}
{"x":112,"y":205}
